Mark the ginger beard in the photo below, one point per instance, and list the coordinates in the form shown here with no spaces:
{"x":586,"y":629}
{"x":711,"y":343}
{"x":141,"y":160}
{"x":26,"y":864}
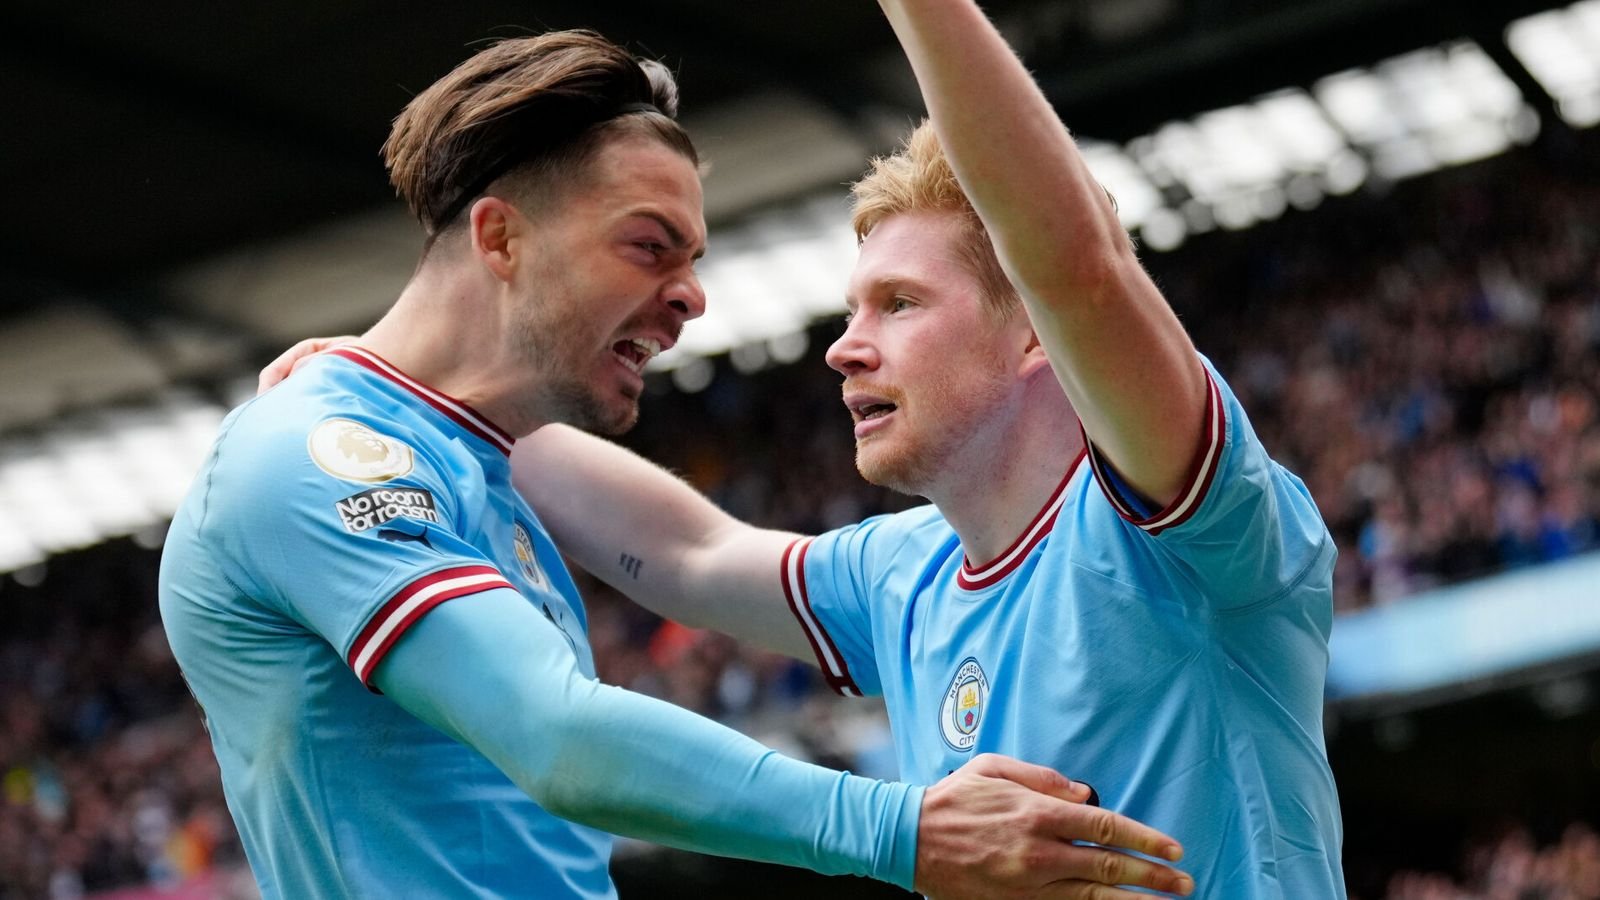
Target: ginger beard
{"x":943,"y":423}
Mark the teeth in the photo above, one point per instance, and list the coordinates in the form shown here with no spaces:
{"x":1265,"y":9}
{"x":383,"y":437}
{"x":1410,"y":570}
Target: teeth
{"x":874,"y":410}
{"x":647,"y":348}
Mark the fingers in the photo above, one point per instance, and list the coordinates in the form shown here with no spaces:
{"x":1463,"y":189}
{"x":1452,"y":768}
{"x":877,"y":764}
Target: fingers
{"x":1101,"y":826}
{"x":1068,"y":870}
{"x":1084,"y":890}
{"x":998,"y":827}
{"x":1078,"y":822}
{"x":280,"y":368}
{"x":292,"y":358}
{"x":1043,"y":779}
{"x":1098,"y":866}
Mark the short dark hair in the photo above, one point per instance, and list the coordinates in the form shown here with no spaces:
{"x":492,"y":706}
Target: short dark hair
{"x":534,"y":107}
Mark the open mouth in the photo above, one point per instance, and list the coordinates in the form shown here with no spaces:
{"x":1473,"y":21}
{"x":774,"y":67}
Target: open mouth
{"x":869,"y":411}
{"x":635,"y":353}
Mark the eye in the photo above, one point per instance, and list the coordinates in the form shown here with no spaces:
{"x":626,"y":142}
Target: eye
{"x":900,"y":303}
{"x":654,"y":248}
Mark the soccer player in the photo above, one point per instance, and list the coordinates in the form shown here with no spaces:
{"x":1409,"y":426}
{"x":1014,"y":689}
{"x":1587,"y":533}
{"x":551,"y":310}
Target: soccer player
{"x":1113,"y":579}
{"x":393,"y":661}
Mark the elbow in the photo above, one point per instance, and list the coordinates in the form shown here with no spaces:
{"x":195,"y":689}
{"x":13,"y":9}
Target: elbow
{"x":1104,"y":272}
{"x":551,"y":780}
{"x":546,"y":745}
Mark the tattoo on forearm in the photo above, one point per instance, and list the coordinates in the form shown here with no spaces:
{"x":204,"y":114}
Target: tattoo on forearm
{"x":631,"y":565}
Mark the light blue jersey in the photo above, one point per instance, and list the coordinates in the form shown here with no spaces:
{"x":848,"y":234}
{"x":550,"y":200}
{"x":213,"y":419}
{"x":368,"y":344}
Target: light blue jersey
{"x":1174,"y":660}
{"x":334,"y":512}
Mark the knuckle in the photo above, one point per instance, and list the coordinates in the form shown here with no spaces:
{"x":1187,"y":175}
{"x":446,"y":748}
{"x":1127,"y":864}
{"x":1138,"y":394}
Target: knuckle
{"x":1108,"y":869}
{"x":1103,"y":829}
{"x":1040,"y":819}
{"x":1033,"y":858}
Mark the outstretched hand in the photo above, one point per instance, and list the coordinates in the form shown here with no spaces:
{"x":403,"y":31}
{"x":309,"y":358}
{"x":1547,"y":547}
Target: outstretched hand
{"x":293,"y":358}
{"x":997,"y":827}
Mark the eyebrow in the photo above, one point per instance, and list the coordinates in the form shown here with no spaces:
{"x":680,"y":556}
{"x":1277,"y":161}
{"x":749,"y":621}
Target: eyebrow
{"x":674,"y":234}
{"x":894,"y":284}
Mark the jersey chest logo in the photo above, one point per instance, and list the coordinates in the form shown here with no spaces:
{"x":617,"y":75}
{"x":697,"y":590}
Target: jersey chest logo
{"x":961,"y":711}
{"x":527,"y":560}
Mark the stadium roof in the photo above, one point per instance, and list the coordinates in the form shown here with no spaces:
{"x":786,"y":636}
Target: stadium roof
{"x":194,"y":186}
{"x":145,"y":138}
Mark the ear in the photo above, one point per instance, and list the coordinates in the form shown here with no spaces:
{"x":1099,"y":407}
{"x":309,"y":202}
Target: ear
{"x":1034,"y":359}
{"x":496,"y":228}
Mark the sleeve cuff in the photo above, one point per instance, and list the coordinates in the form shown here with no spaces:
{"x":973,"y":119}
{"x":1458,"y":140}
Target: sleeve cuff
{"x":1202,"y":472}
{"x":411,"y":603}
{"x":831,"y":661}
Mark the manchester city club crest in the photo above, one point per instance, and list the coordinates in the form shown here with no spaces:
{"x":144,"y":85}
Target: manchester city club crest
{"x":962,"y":710}
{"x":528,"y":560}
{"x":354,"y":452}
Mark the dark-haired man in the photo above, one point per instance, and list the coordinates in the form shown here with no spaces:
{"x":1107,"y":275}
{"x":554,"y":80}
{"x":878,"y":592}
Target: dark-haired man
{"x":392,"y":659}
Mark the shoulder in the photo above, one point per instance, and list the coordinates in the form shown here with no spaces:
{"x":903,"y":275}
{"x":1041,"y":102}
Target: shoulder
{"x":885,"y":540}
{"x":314,"y":436}
{"x":906,"y":530}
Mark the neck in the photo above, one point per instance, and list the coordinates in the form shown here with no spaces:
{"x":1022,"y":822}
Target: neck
{"x":447,"y":332}
{"x":992,"y":498}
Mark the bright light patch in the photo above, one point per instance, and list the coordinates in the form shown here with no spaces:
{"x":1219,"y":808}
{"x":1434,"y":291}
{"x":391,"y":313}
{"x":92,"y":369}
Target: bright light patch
{"x":1164,"y":230}
{"x":1561,"y":48}
{"x":1136,"y":196}
{"x":1434,"y":107}
{"x":1300,"y":130}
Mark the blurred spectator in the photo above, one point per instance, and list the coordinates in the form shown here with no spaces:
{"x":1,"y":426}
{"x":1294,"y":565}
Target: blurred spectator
{"x":1513,"y":868}
{"x":106,"y":776}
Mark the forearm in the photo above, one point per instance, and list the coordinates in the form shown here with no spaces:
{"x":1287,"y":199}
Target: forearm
{"x":641,"y":767}
{"x":1050,"y":220}
{"x":619,"y":516}
{"x":636,"y":766}
{"x":1118,"y":350}
{"x":656,"y":539}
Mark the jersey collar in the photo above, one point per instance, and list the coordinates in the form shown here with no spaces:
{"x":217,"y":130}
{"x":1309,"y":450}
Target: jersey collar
{"x":455,"y":410}
{"x":974,"y":578}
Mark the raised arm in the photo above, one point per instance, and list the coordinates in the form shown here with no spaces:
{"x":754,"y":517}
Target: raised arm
{"x":657,"y":540}
{"x":1118,"y":350}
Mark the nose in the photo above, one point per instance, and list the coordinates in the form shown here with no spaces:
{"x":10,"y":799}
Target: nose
{"x":685,"y":296}
{"x":854,"y":352}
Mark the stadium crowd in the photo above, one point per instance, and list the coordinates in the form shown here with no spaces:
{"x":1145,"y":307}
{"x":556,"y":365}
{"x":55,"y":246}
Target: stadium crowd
{"x":106,"y":775}
{"x":1427,"y":359}
{"x":1429,"y":363}
{"x":1513,"y":867}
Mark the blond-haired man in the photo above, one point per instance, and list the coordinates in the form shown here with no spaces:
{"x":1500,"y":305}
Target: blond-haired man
{"x":1113,"y":578}
{"x":393,"y":660}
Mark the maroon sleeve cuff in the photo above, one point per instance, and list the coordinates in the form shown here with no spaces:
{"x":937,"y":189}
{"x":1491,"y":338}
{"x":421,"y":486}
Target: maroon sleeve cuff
{"x":831,"y":661}
{"x":1202,"y":471}
{"x":411,"y":603}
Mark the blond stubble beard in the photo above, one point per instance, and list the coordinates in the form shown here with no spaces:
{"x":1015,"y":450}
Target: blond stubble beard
{"x":955,"y":410}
